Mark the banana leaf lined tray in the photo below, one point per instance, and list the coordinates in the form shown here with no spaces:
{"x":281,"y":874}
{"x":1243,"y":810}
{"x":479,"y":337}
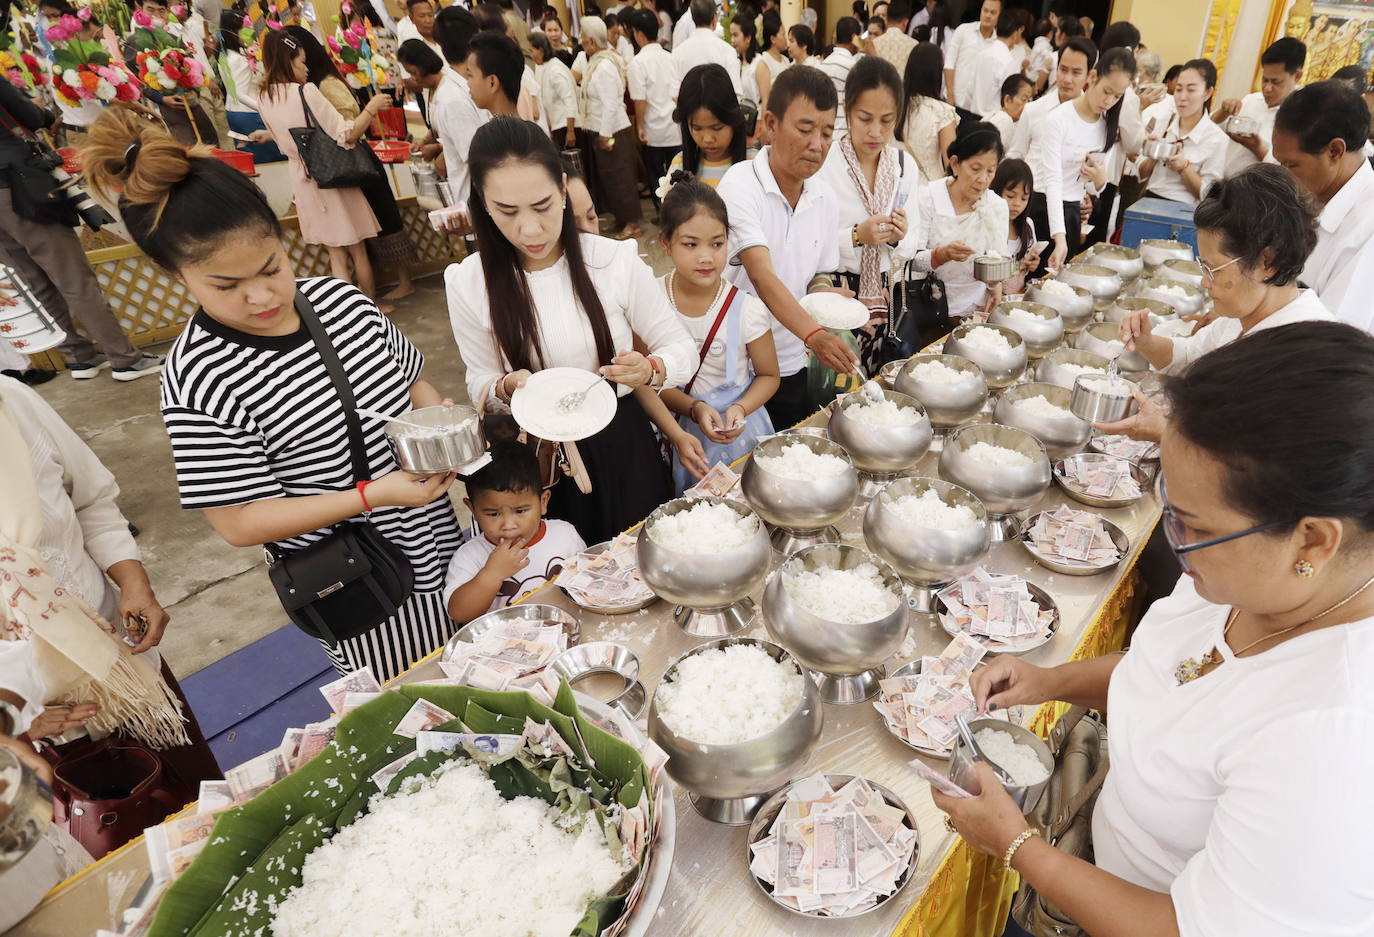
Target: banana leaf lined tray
{"x":255,"y":852}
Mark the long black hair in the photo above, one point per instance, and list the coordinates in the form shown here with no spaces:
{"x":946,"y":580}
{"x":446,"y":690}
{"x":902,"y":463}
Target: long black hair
{"x":750,"y":31}
{"x":498,"y":142}
{"x":1114,"y":60}
{"x":868,"y":74}
{"x":925,"y":74}
{"x":1208,"y":71}
{"x":1012,"y":172}
{"x":709,"y":86}
{"x":317,"y":61}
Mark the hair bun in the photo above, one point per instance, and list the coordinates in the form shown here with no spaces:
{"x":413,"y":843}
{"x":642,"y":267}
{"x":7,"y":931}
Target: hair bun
{"x":129,"y":159}
{"x":679,"y":176}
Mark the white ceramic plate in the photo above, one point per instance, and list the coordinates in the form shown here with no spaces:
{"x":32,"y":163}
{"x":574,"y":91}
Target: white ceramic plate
{"x":835,"y":311}
{"x":535,"y":406}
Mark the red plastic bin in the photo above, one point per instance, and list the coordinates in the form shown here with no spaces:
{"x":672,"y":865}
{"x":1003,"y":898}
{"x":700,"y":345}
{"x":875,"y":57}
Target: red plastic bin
{"x":391,"y":122}
{"x":71,"y":159}
{"x":239,"y":159}
{"x":391,"y":151}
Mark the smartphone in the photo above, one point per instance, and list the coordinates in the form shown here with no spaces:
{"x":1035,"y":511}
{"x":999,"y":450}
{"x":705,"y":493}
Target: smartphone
{"x":1039,"y":247}
{"x":899,"y":200}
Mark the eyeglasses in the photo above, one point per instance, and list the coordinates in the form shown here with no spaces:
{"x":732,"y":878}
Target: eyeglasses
{"x":1210,"y":273}
{"x":1174,"y":528}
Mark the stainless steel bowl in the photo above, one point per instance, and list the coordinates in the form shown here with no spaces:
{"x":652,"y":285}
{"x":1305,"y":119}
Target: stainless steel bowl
{"x":1119,"y":540}
{"x":1188,"y":272}
{"x":604,"y":658}
{"x":728,"y":783}
{"x":1124,"y":306}
{"x":925,"y":557}
{"x":803,"y":511}
{"x":25,"y":809}
{"x":1041,"y":335}
{"x":607,"y":609}
{"x":1158,"y":149}
{"x":1003,"y":489}
{"x":994,"y":269}
{"x":1126,"y":261}
{"x":820,"y":432}
{"x":887,"y":374}
{"x":454,"y":440}
{"x":1076,"y":311}
{"x":1021,"y":646}
{"x":1098,"y":407}
{"x":1103,"y":282}
{"x":946,"y":404}
{"x":1051,"y":368}
{"x":1001,"y":368}
{"x":961,"y":762}
{"x":763,"y":822}
{"x":879,"y":452}
{"x":1077,"y":493}
{"x":1188,"y":304}
{"x":1061,"y":436}
{"x":845,"y":658}
{"x":1154,"y":251}
{"x":913,"y":669}
{"x":1103,"y":338}
{"x":474,"y":630}
{"x":1240,"y":125}
{"x":711,"y":590}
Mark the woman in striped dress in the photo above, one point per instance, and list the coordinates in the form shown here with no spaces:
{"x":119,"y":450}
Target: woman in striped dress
{"x":257,"y":428}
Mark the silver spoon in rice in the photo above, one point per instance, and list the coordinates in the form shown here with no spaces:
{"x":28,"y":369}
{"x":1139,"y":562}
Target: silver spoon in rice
{"x":572,"y":402}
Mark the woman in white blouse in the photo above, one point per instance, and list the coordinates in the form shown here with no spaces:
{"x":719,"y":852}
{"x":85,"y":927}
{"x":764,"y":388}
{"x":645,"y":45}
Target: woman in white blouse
{"x":539,"y":294}
{"x":1079,"y":145}
{"x":1255,"y":233}
{"x":1241,"y":721}
{"x":928,"y":123}
{"x":557,"y":91}
{"x":772,"y":61}
{"x":873,"y":181}
{"x":964,"y":218}
{"x":605,"y":119}
{"x":1200,"y":156}
{"x":242,"y":86}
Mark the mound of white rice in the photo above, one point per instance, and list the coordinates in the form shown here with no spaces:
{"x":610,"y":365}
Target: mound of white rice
{"x":1107,"y":386}
{"x":848,"y":596}
{"x":1172,"y":289}
{"x":800,"y":462}
{"x":1055,"y":288}
{"x":937,"y":372}
{"x":1077,"y":369}
{"x":1024,"y":315}
{"x":986,"y":340}
{"x":929,"y":510}
{"x":703,"y":528}
{"x":729,"y":695}
{"x":997,"y":455}
{"x":1041,"y":407}
{"x":1019,"y":762}
{"x":882,"y":414}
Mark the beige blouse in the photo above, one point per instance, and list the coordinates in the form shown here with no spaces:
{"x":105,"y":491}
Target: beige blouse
{"x":337,"y":93}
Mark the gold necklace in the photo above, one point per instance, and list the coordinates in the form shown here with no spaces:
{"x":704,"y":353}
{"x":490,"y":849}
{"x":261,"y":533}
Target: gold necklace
{"x":1189,"y":670}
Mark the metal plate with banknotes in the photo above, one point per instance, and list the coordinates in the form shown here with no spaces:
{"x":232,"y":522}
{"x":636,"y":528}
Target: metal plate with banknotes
{"x":1120,"y":542}
{"x":1021,"y":646}
{"x":579,"y":598}
{"x":913,"y":669}
{"x":762,"y":829}
{"x":473,"y":630}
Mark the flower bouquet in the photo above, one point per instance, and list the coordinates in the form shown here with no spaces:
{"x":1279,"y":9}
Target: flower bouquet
{"x":22,"y":69}
{"x":360,"y":65}
{"x":164,"y":63}
{"x":83,"y":70}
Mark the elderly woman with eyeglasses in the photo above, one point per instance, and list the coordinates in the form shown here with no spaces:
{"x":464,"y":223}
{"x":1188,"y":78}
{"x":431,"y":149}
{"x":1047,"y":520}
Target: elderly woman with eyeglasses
{"x":1241,"y":719}
{"x":1254,"y":232}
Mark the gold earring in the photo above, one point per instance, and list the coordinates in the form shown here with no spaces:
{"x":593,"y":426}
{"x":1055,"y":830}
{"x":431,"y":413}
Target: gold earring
{"x":1304,"y":569}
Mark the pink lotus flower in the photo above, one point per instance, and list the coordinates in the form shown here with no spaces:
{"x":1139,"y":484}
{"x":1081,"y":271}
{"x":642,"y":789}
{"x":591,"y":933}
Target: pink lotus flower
{"x":347,"y":8}
{"x":247,"y":23}
{"x":179,"y":12}
{"x":274,"y":24}
{"x":84,"y":14}
{"x":142,"y":19}
{"x":358,"y":30}
{"x":333,"y":44}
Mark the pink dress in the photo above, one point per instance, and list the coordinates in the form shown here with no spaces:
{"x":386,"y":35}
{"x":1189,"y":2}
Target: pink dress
{"x":333,"y":217}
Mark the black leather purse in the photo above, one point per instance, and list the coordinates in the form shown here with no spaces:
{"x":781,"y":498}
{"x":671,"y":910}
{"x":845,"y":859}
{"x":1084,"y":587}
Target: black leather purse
{"x":327,"y":164}
{"x":354,"y":579}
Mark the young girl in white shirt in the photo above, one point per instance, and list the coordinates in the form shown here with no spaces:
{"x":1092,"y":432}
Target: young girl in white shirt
{"x":1015,"y":182}
{"x":737,"y":373}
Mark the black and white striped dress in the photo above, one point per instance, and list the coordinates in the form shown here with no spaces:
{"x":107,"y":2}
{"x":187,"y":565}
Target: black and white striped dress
{"x":254,"y":417}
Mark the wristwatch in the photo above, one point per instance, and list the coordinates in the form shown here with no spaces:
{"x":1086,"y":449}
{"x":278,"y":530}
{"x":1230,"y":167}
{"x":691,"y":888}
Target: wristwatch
{"x":854,"y":235}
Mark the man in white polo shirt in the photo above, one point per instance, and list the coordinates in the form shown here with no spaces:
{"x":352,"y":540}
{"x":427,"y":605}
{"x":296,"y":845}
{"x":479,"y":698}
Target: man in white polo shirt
{"x":782,"y":230}
{"x":1319,"y":136}
{"x":1281,"y":74}
{"x":653,"y":81}
{"x":969,"y":40}
{"x":704,"y":46}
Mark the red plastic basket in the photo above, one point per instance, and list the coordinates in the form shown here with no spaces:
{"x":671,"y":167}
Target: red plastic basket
{"x":391,"y":151}
{"x":239,"y":159}
{"x":391,"y":122}
{"x":71,"y":159}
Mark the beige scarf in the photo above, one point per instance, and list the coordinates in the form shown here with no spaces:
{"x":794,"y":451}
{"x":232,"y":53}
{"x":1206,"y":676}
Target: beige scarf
{"x":78,"y":654}
{"x":604,"y":55}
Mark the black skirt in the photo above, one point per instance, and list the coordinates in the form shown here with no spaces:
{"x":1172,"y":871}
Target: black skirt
{"x":629,"y":477}
{"x":392,"y":243}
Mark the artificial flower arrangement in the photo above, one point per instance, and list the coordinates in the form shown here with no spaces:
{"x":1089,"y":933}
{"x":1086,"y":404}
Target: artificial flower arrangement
{"x":23,"y":70}
{"x":164,"y":63}
{"x":82,"y":69}
{"x":354,"y":54}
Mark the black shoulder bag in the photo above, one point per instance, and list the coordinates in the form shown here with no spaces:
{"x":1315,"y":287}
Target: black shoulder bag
{"x":354,"y":579}
{"x":329,"y":165}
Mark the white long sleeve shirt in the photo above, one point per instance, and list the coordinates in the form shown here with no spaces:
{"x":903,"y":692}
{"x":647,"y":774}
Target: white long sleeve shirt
{"x":247,"y":83}
{"x":1028,"y":142}
{"x":961,"y":56}
{"x":629,"y":294}
{"x":605,"y":100}
{"x":1224,"y":330}
{"x":1341,"y":268}
{"x":1068,"y":139}
{"x":1253,"y":106}
{"x":557,"y":94}
{"x":992,"y":66}
{"x":835,"y":173}
{"x":704,"y":47}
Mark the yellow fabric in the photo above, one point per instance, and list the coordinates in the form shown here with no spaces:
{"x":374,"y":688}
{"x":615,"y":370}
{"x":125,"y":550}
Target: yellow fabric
{"x":1220,"y":25}
{"x":1273,"y":29}
{"x":970,"y":894}
{"x":78,"y":654}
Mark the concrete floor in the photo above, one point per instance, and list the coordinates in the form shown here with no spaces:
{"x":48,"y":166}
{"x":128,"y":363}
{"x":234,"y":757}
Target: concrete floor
{"x":218,"y":596}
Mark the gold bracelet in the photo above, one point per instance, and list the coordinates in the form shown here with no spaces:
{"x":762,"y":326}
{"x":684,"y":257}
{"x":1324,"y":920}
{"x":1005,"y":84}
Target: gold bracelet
{"x":1016,"y":844}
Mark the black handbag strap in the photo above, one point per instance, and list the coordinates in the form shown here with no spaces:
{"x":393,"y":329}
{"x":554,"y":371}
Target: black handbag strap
{"x":309,"y":116}
{"x":356,"y":449}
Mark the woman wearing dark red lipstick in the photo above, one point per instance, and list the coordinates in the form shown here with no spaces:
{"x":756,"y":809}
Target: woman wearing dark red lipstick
{"x":258,"y":432}
{"x":873,"y":180}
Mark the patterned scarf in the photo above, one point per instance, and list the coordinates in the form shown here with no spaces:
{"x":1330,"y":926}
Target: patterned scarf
{"x":876,"y":201}
{"x":605,"y":55}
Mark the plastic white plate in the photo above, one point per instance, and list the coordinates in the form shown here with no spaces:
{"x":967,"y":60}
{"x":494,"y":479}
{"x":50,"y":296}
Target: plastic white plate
{"x":835,"y":311}
{"x":535,"y":406}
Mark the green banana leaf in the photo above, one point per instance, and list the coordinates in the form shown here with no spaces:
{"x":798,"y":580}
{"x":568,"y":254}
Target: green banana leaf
{"x":229,"y":879}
